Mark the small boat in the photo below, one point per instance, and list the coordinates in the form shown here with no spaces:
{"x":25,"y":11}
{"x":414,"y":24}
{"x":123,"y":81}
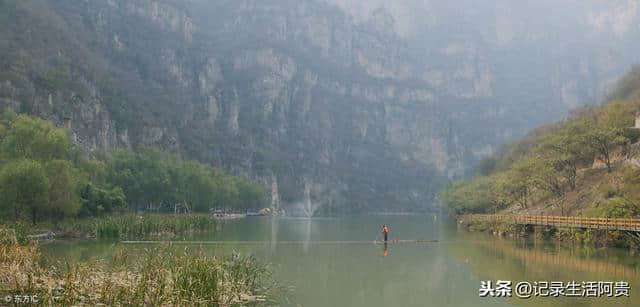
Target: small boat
{"x":228,"y":216}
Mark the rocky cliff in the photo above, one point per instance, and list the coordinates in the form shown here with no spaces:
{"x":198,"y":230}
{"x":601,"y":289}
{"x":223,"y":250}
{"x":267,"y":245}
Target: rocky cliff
{"x":341,"y":105}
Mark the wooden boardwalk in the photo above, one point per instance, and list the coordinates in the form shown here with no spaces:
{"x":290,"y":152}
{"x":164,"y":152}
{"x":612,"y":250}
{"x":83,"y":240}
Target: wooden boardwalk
{"x":560,"y":221}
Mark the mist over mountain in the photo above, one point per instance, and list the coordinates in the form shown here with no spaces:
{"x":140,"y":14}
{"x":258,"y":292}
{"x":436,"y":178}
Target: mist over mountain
{"x":351,"y":105}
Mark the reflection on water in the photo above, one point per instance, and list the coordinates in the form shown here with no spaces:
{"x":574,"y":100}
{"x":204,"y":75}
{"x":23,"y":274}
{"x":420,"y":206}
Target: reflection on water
{"x":520,"y":260}
{"x":274,"y":234}
{"x":335,"y":262}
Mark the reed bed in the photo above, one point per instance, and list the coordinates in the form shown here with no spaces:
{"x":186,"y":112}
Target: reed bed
{"x":133,"y":226}
{"x":160,"y":276}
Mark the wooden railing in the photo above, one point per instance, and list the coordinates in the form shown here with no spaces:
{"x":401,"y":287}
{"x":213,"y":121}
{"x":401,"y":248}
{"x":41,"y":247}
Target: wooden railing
{"x":561,"y":221}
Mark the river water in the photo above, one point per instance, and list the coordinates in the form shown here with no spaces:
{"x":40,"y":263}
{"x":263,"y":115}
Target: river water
{"x":335,"y":262}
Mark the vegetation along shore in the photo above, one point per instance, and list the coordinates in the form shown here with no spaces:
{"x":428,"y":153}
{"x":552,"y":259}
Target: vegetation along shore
{"x":49,"y":188}
{"x":161,"y":276}
{"x":586,"y":165}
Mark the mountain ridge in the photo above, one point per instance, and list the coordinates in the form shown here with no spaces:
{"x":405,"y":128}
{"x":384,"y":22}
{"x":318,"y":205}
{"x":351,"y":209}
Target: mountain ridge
{"x":343,"y":111}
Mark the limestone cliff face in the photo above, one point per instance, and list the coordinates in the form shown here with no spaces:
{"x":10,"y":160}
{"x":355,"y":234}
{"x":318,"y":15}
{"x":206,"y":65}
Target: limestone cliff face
{"x":345,"y":104}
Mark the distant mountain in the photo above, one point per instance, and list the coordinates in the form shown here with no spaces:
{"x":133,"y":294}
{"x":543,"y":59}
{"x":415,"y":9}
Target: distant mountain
{"x":345,"y":105}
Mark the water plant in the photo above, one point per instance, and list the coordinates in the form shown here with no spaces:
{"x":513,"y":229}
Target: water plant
{"x":132,"y":226}
{"x":161,"y":276}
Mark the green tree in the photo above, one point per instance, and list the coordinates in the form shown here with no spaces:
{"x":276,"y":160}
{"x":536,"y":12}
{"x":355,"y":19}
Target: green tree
{"x":226,"y":192}
{"x":544,"y":176}
{"x":251,"y":195}
{"x":475,"y":196}
{"x":617,"y":207}
{"x":124,"y":171}
{"x":608,"y":132}
{"x":566,"y":149}
{"x":515,"y":185}
{"x":36,"y":139}
{"x":63,"y":194}
{"x":97,"y":201}
{"x":8,"y":116}
{"x":24,"y":188}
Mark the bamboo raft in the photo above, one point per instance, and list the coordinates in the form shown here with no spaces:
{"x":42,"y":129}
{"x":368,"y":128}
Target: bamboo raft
{"x":280,"y":242}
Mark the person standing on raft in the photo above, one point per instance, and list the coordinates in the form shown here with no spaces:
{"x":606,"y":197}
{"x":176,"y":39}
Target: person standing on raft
{"x":385,"y":232}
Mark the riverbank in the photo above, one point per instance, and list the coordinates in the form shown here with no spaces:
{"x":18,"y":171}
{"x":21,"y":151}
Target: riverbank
{"x":158,"y":277}
{"x":598,"y":238}
{"x":126,"y":226}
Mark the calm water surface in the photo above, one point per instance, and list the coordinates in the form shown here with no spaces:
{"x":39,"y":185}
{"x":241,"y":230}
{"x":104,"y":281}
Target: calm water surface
{"x":361,"y":273}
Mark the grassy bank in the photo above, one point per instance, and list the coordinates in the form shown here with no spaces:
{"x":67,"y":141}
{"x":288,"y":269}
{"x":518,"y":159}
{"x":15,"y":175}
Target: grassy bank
{"x":160,"y":277}
{"x":129,"y":226}
{"x":143,"y":226}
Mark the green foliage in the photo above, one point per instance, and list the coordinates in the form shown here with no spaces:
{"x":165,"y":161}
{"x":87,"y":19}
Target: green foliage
{"x":63,"y":196}
{"x":24,"y":187}
{"x":43,"y":176}
{"x":160,"y":180}
{"x":566,"y":149}
{"x":251,"y":195}
{"x":543,"y":176}
{"x":616,"y":207}
{"x":631,"y":187}
{"x":97,"y":201}
{"x":514,"y":186}
{"x":36,"y":139}
{"x":471,"y":197}
{"x":145,"y":226}
{"x":7,"y":117}
{"x":545,"y":164}
{"x":608,"y":129}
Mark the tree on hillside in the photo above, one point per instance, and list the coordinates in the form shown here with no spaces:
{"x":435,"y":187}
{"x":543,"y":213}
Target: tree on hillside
{"x":608,"y":128}
{"x":544,"y":176}
{"x":515,"y":185}
{"x":24,"y":188}
{"x":564,"y":150}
